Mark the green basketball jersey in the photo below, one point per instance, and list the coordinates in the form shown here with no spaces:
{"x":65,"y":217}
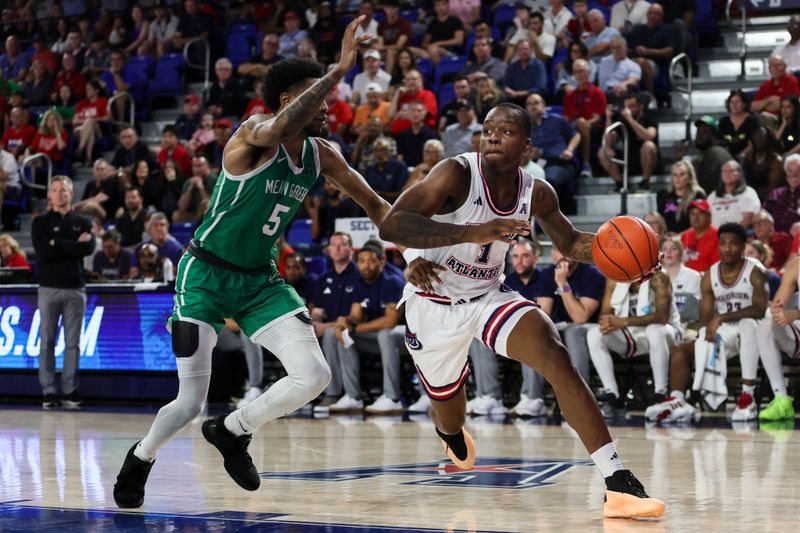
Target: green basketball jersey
{"x":248,"y":213}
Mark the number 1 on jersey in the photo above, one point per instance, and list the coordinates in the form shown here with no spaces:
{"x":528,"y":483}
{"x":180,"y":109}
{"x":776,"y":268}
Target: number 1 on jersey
{"x":483,"y":257}
{"x":274,"y":222}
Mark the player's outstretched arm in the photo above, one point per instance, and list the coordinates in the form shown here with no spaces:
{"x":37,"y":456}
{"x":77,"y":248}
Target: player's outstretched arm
{"x":409,"y":220}
{"x":269,"y":130}
{"x":349,"y":181}
{"x":572,"y":243}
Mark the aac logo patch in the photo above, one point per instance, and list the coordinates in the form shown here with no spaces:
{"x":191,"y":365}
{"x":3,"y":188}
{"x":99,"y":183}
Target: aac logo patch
{"x":412,"y":341}
{"x":488,"y":472}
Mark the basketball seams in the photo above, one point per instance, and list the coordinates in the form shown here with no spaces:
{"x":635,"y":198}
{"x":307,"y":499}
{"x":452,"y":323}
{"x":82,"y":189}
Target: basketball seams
{"x":613,"y":262}
{"x":649,"y":241}
{"x":630,"y":248}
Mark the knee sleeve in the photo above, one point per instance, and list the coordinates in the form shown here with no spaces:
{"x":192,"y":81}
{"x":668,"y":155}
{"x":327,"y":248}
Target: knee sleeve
{"x":292,"y":340}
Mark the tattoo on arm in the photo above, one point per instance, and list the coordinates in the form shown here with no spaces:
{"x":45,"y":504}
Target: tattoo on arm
{"x":582,"y":247}
{"x":663,"y":297}
{"x":294,"y":117}
{"x":421,"y":232}
{"x":572,"y":243}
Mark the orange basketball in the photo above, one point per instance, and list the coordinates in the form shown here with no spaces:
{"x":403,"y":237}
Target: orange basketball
{"x":625,"y":249}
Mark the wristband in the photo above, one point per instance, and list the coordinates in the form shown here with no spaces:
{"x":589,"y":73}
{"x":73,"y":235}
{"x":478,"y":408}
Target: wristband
{"x":566,"y":288}
{"x":409,"y":254}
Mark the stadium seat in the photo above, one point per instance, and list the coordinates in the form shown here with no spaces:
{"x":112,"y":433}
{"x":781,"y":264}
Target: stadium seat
{"x":446,"y":94}
{"x":300,"y":232}
{"x":504,"y":16}
{"x":168,"y":80}
{"x":316,"y":265}
{"x":425,"y":67}
{"x":183,"y":231}
{"x":239,"y":43}
{"x":447,"y":68}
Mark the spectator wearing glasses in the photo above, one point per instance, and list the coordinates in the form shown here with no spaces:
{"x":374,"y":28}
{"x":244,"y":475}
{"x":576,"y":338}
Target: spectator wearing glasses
{"x":258,"y":66}
{"x":226,"y":95}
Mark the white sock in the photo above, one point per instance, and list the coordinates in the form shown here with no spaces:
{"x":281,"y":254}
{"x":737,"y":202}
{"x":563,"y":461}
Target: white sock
{"x":678,"y":395}
{"x":236,"y":424}
{"x":607,"y":460}
{"x":749,"y":389}
{"x":141,"y":455}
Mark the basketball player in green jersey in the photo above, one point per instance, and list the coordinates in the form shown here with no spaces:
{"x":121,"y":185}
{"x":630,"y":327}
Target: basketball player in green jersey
{"x":268,"y":167}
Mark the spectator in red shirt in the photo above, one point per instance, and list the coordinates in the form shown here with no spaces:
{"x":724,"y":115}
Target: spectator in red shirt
{"x":89,"y":114}
{"x":579,"y":23}
{"x":69,"y":75}
{"x":12,"y":253}
{"x":44,"y":54}
{"x":171,"y":148}
{"x":51,"y":139}
{"x":780,"y":242}
{"x":256,"y":106}
{"x":340,"y":114}
{"x":19,"y":134}
{"x":585,"y":107}
{"x":411,"y":90}
{"x":767,"y":100}
{"x":394,"y":32}
{"x":700,"y":242}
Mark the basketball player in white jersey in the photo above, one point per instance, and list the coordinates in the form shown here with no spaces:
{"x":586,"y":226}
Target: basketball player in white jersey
{"x":780,"y":333}
{"x":635,"y":319}
{"x":463,"y":216}
{"x":734,"y":297}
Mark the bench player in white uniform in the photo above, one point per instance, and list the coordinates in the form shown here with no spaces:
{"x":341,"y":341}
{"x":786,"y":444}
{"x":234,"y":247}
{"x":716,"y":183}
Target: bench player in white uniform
{"x":778,"y":333}
{"x":463,"y":216}
{"x":635,"y":319}
{"x":734,"y":297}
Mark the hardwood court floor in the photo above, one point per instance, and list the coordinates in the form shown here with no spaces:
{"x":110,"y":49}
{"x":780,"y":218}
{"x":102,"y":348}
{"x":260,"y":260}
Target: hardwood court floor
{"x":57,"y":470}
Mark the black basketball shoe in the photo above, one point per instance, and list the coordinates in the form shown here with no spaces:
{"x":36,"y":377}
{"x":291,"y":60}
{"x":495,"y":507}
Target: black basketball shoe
{"x":129,"y":488}
{"x":238,"y":462}
{"x":626,"y":498}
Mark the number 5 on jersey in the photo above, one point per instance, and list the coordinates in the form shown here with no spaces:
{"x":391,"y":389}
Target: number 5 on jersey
{"x":274,"y":222}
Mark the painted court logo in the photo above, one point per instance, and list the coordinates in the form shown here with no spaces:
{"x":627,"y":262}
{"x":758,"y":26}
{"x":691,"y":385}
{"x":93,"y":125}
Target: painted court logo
{"x":488,"y":472}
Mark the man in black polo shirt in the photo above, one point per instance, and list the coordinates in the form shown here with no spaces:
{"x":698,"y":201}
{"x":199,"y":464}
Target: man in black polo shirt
{"x":61,"y":238}
{"x":131,"y":149}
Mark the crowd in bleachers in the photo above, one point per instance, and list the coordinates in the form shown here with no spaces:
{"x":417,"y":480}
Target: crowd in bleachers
{"x":418,"y":94}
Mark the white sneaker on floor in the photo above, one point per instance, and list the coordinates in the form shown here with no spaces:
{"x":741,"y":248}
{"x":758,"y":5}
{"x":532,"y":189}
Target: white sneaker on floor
{"x":530,"y":407}
{"x":745,"y":408}
{"x":422,"y":405}
{"x":251,"y":394}
{"x":345,"y":404}
{"x":673,"y":409}
{"x":385,"y":405}
{"x":487,"y":405}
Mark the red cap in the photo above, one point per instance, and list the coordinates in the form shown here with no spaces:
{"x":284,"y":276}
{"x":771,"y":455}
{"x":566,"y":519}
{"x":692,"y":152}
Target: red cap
{"x":290,"y":15}
{"x":702,"y":205}
{"x":191,"y":99}
{"x":223,"y":123}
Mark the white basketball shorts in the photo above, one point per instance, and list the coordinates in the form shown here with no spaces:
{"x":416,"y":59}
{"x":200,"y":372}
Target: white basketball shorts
{"x":438,"y":334}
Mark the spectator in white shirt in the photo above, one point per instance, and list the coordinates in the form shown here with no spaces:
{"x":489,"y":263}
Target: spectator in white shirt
{"x":628,"y":13}
{"x":373,"y":73}
{"x":733,"y":200}
{"x":790,"y":52}
{"x":556,"y":18}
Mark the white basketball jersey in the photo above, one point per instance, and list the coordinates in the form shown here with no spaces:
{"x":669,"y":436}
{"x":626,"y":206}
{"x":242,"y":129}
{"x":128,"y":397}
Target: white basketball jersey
{"x":739,"y":294}
{"x":470,"y":269}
